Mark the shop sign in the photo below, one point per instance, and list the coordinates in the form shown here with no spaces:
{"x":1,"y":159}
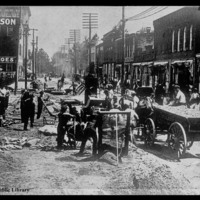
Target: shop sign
{"x":7,"y":59}
{"x":8,"y":21}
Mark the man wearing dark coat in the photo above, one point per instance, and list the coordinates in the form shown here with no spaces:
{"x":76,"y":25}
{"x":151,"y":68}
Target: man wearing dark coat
{"x":28,"y":109}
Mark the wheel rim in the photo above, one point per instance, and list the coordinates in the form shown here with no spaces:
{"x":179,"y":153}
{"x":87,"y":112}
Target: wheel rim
{"x":149,"y":132}
{"x":177,"y":141}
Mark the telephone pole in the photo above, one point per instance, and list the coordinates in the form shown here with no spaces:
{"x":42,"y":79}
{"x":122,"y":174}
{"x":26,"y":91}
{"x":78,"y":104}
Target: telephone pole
{"x":16,"y":73}
{"x":75,"y":37}
{"x":90,"y":21}
{"x":123,"y":50}
{"x":36,"y":65}
{"x":26,"y":34}
{"x":33,"y":52}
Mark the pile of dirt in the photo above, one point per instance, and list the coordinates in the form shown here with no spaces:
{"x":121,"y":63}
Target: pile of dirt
{"x":142,"y":174}
{"x":7,"y":162}
{"x":9,"y":167}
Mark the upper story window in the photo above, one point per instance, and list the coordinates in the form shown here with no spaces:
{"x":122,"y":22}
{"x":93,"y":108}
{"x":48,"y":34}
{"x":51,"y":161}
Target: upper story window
{"x":184,"y":38}
{"x":9,"y":31}
{"x":191,"y":29}
{"x":173,"y":41}
{"x":178,"y":43}
{"x":20,"y":49}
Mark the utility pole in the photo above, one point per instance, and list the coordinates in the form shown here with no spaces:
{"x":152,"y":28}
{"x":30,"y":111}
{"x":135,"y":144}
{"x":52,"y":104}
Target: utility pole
{"x":90,"y":21}
{"x":33,"y":53}
{"x":26,"y":34}
{"x":36,"y":65}
{"x":75,"y":37}
{"x":16,"y":74}
{"x":123,"y":50}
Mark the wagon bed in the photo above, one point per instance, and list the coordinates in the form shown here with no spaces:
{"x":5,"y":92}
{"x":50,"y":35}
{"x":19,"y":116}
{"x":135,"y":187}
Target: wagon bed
{"x":180,"y":122}
{"x":189,"y":118}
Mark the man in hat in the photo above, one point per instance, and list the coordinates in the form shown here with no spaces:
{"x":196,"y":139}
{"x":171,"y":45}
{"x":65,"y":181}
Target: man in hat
{"x":135,"y":100}
{"x":63,"y":117}
{"x":194,"y":98}
{"x":115,"y":103}
{"x":107,"y":104}
{"x":180,"y":98}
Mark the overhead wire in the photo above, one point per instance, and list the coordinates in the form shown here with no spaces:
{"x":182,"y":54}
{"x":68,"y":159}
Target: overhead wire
{"x":143,"y":12}
{"x":147,"y":11}
{"x":155,"y":12}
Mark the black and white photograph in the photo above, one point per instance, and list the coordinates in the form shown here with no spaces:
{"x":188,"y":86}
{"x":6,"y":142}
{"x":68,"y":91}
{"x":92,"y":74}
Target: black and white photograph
{"x":99,"y":100}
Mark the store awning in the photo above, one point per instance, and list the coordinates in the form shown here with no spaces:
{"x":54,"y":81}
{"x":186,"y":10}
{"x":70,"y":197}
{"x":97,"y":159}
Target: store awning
{"x":136,"y":64}
{"x":146,"y":63}
{"x":160,"y":63}
{"x":182,"y":61}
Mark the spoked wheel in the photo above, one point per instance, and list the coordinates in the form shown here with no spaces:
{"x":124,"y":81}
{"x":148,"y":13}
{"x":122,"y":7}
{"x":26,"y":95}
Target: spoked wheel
{"x":177,"y":140}
{"x":149,"y":132}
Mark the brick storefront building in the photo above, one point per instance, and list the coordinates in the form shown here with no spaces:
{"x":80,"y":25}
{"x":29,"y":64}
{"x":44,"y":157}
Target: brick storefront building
{"x":177,"y":42}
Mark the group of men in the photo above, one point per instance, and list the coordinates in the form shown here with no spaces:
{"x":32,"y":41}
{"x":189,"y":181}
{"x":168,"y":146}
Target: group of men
{"x":179,"y":98}
{"x":28,"y":106}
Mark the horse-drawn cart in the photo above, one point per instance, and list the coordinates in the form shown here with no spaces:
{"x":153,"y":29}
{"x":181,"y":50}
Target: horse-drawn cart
{"x":181,"y":124}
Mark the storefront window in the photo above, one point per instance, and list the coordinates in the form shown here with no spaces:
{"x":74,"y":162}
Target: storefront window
{"x":191,"y":27}
{"x":184,"y":39}
{"x":178,"y":43}
{"x":173,"y":41}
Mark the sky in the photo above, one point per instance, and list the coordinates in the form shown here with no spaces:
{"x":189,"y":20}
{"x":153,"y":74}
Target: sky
{"x":55,"y":22}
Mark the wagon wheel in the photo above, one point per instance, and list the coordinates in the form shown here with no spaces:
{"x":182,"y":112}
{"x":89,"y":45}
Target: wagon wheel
{"x":177,"y":140}
{"x":149,"y":132}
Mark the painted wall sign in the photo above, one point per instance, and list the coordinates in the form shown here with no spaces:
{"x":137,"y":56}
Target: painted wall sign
{"x":8,"y":21}
{"x":7,"y":59}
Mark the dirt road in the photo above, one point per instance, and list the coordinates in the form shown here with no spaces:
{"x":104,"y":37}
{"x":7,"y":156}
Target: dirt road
{"x":143,"y":171}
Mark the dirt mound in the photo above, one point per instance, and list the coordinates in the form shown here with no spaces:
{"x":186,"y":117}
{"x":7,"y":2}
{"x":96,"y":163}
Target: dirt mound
{"x":7,"y":162}
{"x":141,"y":174}
{"x":10,"y":167}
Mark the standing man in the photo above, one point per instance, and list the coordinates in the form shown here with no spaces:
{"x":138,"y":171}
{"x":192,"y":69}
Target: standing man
{"x":22,"y":103}
{"x":40,"y":104}
{"x":63,"y":78}
{"x":90,"y":83}
{"x":28,"y":109}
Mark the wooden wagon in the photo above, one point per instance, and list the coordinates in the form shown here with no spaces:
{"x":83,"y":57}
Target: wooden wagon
{"x":181,"y":124}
